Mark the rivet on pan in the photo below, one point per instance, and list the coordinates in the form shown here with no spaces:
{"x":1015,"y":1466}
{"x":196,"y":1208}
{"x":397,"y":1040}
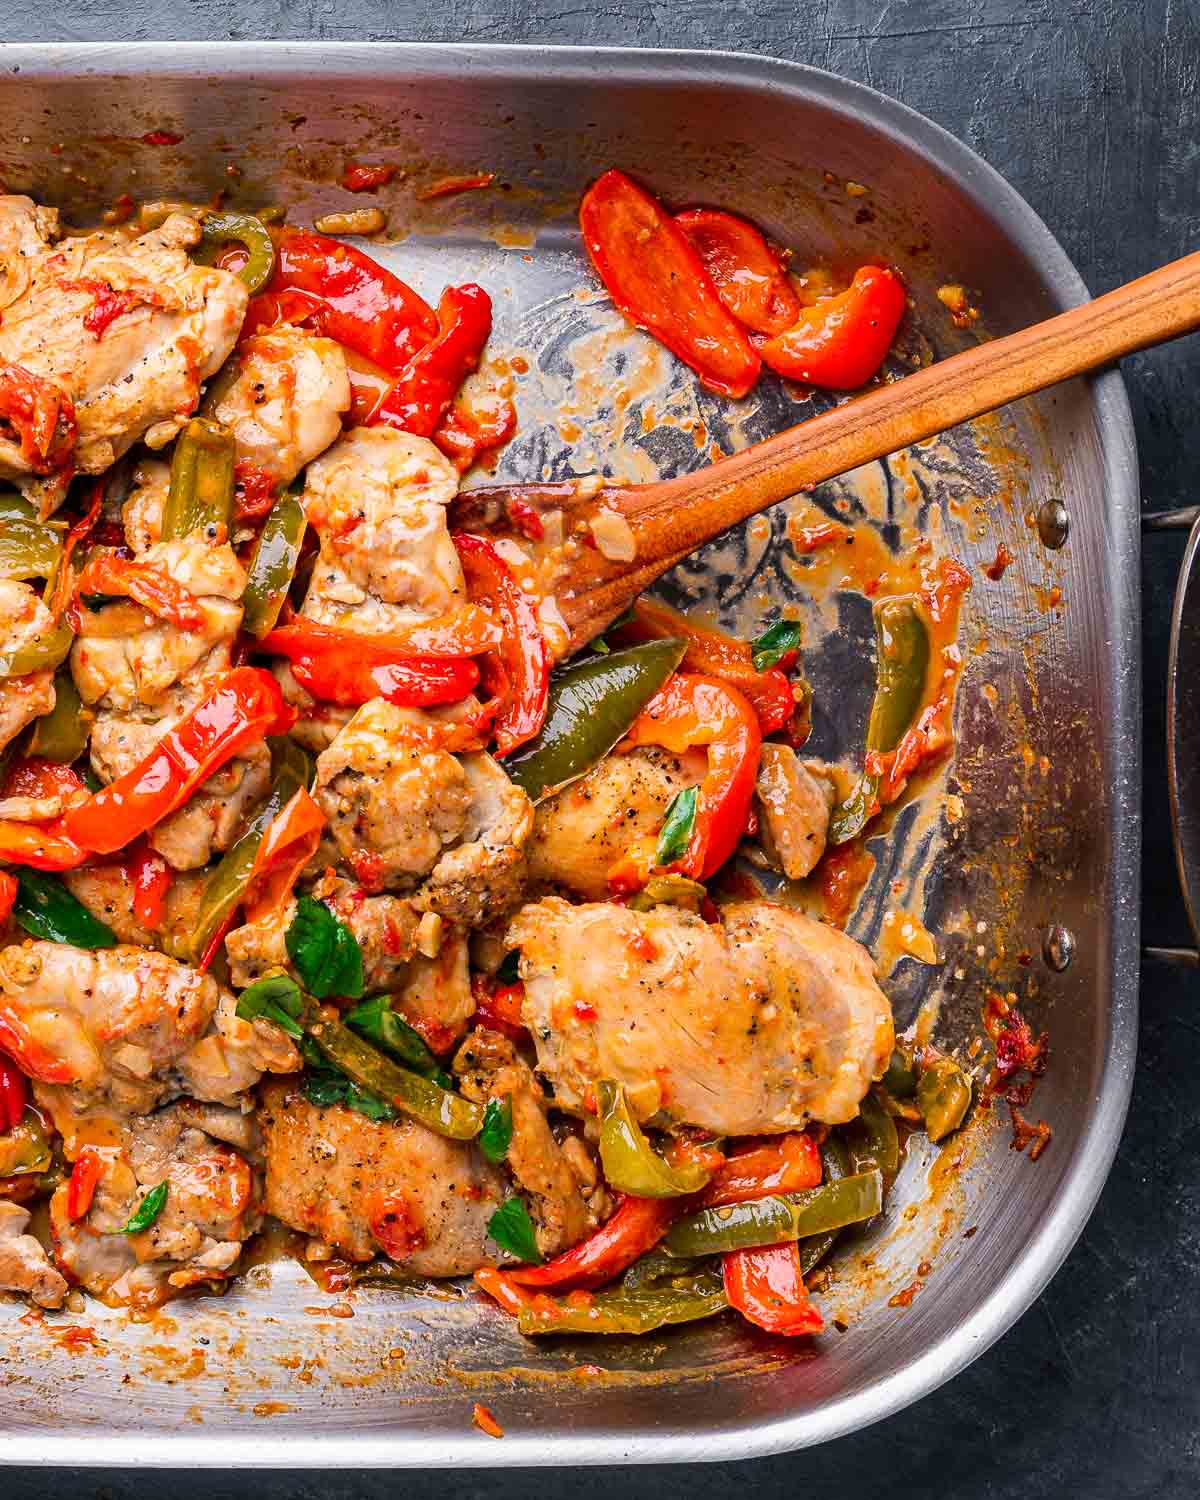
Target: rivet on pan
{"x":1053,"y":523}
{"x":1058,"y":947}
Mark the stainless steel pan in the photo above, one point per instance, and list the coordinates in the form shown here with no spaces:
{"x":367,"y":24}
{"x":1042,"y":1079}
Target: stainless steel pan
{"x":1034,"y":889}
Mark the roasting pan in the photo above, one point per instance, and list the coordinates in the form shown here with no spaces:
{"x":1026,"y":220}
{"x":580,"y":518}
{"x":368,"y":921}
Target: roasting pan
{"x":1031,"y":887}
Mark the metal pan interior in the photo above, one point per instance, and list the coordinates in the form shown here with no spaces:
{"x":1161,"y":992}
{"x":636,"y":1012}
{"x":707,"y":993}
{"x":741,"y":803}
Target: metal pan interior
{"x":1047,"y":772}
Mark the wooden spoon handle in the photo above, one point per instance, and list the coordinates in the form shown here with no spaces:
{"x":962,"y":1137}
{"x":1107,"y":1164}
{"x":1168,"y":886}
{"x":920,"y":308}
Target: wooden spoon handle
{"x":672,"y":519}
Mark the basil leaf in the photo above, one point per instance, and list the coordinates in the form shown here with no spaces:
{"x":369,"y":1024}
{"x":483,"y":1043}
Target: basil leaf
{"x":375,"y":1020}
{"x":324,"y":1089}
{"x":368,"y":1104}
{"x":496,"y":1136}
{"x":324,"y":950}
{"x":509,"y":972}
{"x":275,"y":997}
{"x":511,"y":1228}
{"x":677,"y":827}
{"x":45,"y":908}
{"x":147,"y":1210}
{"x":782,"y":637}
{"x":600,"y":646}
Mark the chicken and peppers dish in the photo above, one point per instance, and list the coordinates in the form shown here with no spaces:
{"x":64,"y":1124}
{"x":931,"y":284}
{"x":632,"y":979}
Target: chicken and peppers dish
{"x":331,"y":891}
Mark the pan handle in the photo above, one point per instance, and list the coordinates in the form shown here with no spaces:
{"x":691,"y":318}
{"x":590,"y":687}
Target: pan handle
{"x":1185,"y":518}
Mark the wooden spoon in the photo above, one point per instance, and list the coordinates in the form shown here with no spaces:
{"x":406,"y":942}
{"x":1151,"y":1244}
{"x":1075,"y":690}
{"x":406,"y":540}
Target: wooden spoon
{"x":673,"y":517}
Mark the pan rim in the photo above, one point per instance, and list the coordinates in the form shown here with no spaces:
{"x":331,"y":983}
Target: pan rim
{"x":1056,"y":1235}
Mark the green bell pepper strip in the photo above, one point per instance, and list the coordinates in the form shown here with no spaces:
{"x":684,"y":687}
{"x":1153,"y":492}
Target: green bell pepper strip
{"x":943,"y":1097}
{"x":46,"y":651}
{"x":227,"y":883}
{"x":835,"y":1160}
{"x":201,"y":492}
{"x":631,"y":1165}
{"x":437,"y":1108}
{"x":784,"y":1216}
{"x":900,"y":1080}
{"x":668,"y":890}
{"x":46,"y":909}
{"x":273,"y":565}
{"x":375,"y":1020}
{"x":903,"y":660}
{"x":25,"y":1148}
{"x":622,"y":1310}
{"x":872,"y":1140}
{"x":219,"y":229}
{"x":592,"y":705}
{"x":62,"y":734}
{"x":655,"y":1267}
{"x":29,"y":548}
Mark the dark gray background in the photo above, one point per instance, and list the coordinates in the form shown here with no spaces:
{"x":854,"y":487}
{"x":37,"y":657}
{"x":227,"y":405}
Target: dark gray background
{"x":1090,"y":108}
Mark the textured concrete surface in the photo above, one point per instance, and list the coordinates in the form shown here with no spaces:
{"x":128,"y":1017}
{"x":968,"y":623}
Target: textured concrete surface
{"x":1090,"y":108}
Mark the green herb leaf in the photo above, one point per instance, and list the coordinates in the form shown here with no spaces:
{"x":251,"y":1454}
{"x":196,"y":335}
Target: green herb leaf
{"x":775,"y":643}
{"x":45,"y":908}
{"x":367,"y":1104}
{"x":677,"y":827}
{"x":509,"y":972}
{"x":147,"y":1210}
{"x":275,"y":997}
{"x":601,"y":647}
{"x":325,"y":952}
{"x":496,"y":1136}
{"x":511,"y":1228}
{"x":325,"y":1086}
{"x":375,"y":1020}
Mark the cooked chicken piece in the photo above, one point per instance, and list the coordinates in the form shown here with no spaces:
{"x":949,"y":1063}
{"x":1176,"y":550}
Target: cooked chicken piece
{"x":377,"y":500}
{"x":483,"y":876}
{"x":142,"y":513}
{"x":107,"y":892}
{"x":752,"y":1027}
{"x":282,"y":395}
{"x":393,"y":806}
{"x":212,"y":1206}
{"x":129,"y":1028}
{"x":118,"y":668}
{"x":385,"y":928}
{"x":24,"y":1265}
{"x":436,"y":999}
{"x":580,"y":834}
{"x":365,"y":1187}
{"x":144,"y":674}
{"x":23,"y":620}
{"x":488,"y":1067}
{"x":795,"y":802}
{"x":398,"y":811}
{"x":127,"y":329}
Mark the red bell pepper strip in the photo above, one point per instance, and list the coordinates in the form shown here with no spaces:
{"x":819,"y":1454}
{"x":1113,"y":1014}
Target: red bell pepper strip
{"x":147,"y":584}
{"x":365,"y":306}
{"x":692,"y":710}
{"x":41,"y":415}
{"x":468,"y":631}
{"x":714,"y":654}
{"x":46,"y":845}
{"x":288,"y":844}
{"x":244,"y":707}
{"x":60,"y":593}
{"x":8,"y":895}
{"x":785,"y":1164}
{"x":340,"y":667}
{"x":522,"y":658}
{"x":422,"y":392}
{"x":637,"y":1226}
{"x":656,"y":278}
{"x":498,"y":1007}
{"x":466,"y":432}
{"x":83,"y":1182}
{"x":749,"y":275}
{"x":14,"y":1095}
{"x":360,"y":178}
{"x":288,"y":305}
{"x":152,"y":877}
{"x":765,"y":1285}
{"x":841,"y":342}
